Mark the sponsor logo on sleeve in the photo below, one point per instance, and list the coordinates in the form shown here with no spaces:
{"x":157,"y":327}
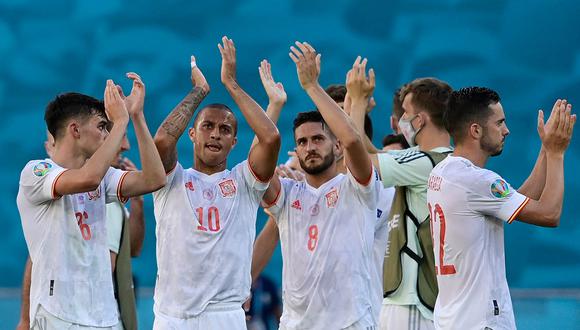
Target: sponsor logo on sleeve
{"x":41,"y":169}
{"x":228,"y":188}
{"x":500,"y":188}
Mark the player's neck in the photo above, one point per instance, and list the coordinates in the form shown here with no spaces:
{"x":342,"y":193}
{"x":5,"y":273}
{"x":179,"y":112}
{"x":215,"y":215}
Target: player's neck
{"x":200,"y":166}
{"x":472,"y":153}
{"x":68,"y":156}
{"x":431,"y":137}
{"x":317,"y":180}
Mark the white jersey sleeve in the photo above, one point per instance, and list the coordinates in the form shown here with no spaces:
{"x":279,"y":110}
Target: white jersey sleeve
{"x":38,"y":179}
{"x":113,"y":182}
{"x":275,"y":208}
{"x":491,"y":195}
{"x":114,"y":216}
{"x":367,"y":192}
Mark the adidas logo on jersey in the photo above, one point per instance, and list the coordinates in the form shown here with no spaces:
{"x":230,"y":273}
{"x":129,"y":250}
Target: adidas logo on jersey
{"x":296,"y":205}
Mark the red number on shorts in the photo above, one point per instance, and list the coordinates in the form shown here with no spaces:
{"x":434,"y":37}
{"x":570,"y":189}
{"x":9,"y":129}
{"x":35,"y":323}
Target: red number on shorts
{"x":312,"y":237}
{"x":213,"y":217}
{"x":85,"y":228}
{"x":435,"y":213}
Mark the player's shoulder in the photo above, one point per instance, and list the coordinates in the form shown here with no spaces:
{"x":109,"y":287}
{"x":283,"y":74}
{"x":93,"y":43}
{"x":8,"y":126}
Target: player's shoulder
{"x":462,"y":172}
{"x":406,"y":155}
{"x":37,"y":169}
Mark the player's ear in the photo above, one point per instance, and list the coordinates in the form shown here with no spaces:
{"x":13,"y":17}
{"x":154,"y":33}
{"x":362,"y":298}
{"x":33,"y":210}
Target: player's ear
{"x":74,"y":129}
{"x":191,"y":134}
{"x":234,"y":141}
{"x":475,"y":131}
{"x":337,"y":148}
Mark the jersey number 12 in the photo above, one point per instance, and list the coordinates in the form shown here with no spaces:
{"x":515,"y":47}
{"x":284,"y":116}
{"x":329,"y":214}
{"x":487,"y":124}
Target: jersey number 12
{"x":436,"y":213}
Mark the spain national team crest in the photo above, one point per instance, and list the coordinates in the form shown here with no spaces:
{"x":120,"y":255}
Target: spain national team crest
{"x":500,"y":188}
{"x":228,"y":188}
{"x":332,"y":198}
{"x":189,"y":186}
{"x":41,"y":169}
{"x":93,"y":195}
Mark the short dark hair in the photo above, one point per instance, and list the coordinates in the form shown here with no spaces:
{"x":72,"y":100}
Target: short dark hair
{"x":466,"y":106}
{"x":71,"y":105}
{"x":311,"y":117}
{"x":217,"y":106}
{"x":395,"y":138}
{"x":431,"y":95}
{"x":337,"y":92}
{"x":398,"y":103}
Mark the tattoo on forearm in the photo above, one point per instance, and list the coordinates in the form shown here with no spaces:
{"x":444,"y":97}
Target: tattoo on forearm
{"x":174,"y":125}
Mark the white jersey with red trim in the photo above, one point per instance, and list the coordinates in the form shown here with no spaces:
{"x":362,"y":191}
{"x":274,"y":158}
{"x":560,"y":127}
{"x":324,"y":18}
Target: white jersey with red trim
{"x":384,"y":204}
{"x":327,"y":236}
{"x":206,"y":225}
{"x":468,"y":208}
{"x":67,"y":242}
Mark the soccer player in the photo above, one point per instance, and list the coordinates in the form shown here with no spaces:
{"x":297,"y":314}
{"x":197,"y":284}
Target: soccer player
{"x":62,"y":199}
{"x":409,"y":281}
{"x":125,"y":234}
{"x":326,"y":222}
{"x":469,"y":205}
{"x":206,"y":215}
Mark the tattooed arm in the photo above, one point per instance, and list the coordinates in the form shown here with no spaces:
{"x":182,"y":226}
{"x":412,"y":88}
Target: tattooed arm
{"x":175,"y":124}
{"x":264,"y":154}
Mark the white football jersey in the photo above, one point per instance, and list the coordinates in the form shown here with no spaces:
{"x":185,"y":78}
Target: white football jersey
{"x":206,"y":225}
{"x":67,"y":242}
{"x":469,"y":206}
{"x":384,"y":204}
{"x":327,"y":236}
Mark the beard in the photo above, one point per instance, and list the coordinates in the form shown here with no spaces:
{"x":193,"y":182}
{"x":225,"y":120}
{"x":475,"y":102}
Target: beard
{"x":327,"y":161}
{"x":493,"y":149}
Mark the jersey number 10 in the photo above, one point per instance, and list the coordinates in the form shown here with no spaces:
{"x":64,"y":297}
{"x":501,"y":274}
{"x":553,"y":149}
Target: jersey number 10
{"x":213,"y":219}
{"x":440,"y":267}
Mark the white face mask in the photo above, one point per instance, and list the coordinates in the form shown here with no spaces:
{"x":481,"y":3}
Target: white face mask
{"x":408,"y":130}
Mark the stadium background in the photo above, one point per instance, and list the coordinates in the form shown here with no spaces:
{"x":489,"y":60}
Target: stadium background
{"x":528,"y":51}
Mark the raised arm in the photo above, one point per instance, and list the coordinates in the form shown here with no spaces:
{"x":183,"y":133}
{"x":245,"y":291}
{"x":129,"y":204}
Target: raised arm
{"x":359,"y":101}
{"x":90,"y":175}
{"x":308,"y":67}
{"x":175,"y":124}
{"x":152,"y":176}
{"x":264,"y":155}
{"x":556,"y":135}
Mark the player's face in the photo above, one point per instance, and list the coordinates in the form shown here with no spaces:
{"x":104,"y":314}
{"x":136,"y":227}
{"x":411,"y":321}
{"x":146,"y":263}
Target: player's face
{"x":125,"y":146}
{"x":92,"y":134}
{"x":494,"y":131}
{"x":213,"y":136}
{"x":315,"y":147}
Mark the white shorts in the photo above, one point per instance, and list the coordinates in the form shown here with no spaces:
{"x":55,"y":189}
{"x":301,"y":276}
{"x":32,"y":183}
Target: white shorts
{"x":403,"y":317}
{"x":43,"y":320}
{"x":231,"y":317}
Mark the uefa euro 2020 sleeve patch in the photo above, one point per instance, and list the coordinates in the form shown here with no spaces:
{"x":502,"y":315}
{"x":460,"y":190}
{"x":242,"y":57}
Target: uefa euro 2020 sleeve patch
{"x":500,"y":188}
{"x":41,"y":169}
